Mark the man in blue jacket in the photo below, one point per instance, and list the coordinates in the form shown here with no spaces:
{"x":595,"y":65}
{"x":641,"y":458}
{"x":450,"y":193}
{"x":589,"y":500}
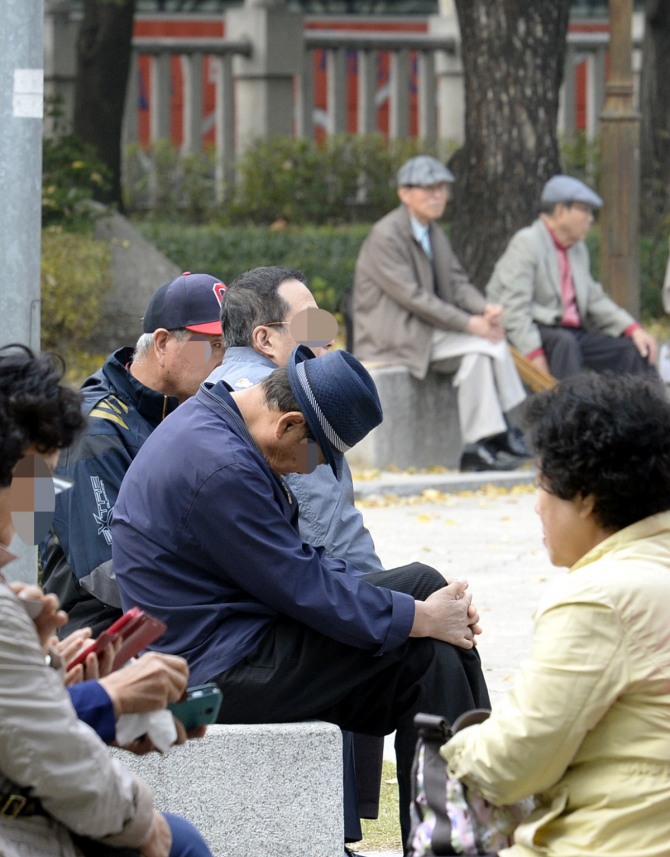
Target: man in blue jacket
{"x":206,"y":539}
{"x":262,"y":312}
{"x":124,"y":401}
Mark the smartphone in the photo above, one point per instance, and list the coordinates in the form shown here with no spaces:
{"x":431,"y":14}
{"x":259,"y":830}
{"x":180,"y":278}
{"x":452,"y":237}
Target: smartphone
{"x":199,"y":707}
{"x":136,"y":629}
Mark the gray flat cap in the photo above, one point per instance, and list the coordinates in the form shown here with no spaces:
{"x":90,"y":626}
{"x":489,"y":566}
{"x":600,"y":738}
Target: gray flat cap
{"x":567,"y":189}
{"x":423,"y":170}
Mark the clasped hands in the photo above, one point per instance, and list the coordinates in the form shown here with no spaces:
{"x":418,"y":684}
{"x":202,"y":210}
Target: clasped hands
{"x":448,"y":615}
{"x":488,"y":325}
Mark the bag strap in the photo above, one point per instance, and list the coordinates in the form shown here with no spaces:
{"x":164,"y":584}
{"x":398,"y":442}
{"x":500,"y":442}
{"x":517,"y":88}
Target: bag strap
{"x":432,"y":727}
{"x":433,"y":732}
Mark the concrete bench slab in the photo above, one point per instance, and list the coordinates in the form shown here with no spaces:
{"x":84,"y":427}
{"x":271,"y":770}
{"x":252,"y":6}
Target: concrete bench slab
{"x":255,"y":790}
{"x":420,"y":427}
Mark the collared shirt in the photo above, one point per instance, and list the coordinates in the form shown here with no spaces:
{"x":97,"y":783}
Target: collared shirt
{"x":328,"y":516}
{"x":205,"y":537}
{"x":421,"y":232}
{"x":571,"y":317}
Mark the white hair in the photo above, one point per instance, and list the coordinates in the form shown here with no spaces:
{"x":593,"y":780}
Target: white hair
{"x":146,"y":340}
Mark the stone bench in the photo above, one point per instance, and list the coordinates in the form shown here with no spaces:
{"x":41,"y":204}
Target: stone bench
{"x":255,"y":790}
{"x":420,"y":427}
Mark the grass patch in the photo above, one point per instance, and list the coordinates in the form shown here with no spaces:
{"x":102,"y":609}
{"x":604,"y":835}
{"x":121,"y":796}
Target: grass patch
{"x":383,"y":833}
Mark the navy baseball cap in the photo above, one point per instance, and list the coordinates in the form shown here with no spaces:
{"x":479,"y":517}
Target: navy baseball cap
{"x":192,"y":301}
{"x":338,"y":399}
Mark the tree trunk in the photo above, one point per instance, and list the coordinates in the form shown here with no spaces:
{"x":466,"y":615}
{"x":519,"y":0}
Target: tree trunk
{"x":655,"y":109}
{"x":513,"y":56}
{"x":103,"y":64}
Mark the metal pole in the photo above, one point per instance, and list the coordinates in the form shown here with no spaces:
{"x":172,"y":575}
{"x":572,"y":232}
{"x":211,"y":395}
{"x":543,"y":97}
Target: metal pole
{"x":620,"y":168}
{"x":21,"y":109}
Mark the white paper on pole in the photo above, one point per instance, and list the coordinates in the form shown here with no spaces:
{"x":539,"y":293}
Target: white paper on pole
{"x":28,"y":100}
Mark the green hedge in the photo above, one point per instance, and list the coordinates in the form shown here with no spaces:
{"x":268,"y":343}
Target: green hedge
{"x":327,"y":255}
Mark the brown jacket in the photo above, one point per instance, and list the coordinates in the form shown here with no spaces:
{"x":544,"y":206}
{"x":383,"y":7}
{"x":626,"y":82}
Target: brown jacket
{"x":400,"y":297}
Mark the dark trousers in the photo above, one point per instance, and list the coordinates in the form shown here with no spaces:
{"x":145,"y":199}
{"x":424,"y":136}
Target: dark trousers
{"x":297,"y":673}
{"x":569,"y":350}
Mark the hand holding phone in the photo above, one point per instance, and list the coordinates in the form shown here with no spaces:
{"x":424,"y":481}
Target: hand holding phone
{"x":200,"y":707}
{"x":135,"y":630}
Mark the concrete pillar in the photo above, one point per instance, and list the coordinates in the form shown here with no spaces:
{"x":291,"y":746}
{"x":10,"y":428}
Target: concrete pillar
{"x":620,"y":169}
{"x":264,"y":81}
{"x":449,"y":75}
{"x":21,"y":108}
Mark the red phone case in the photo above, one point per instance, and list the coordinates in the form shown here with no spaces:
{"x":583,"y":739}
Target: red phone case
{"x":137,"y":630}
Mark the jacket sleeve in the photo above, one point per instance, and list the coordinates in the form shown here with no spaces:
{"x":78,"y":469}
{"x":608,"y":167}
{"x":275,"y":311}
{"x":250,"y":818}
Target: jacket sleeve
{"x":330,"y":519}
{"x":513,"y":284}
{"x":386,"y":260}
{"x":600,"y":312}
{"x":45,"y":747}
{"x":576,"y":670}
{"x":97,"y":463}
{"x":93,"y":706}
{"x":268,"y":560}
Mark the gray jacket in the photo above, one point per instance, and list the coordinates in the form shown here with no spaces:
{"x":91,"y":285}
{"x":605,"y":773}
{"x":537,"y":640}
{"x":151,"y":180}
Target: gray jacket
{"x":401,"y":296}
{"x":526,"y":281}
{"x":45,"y":747}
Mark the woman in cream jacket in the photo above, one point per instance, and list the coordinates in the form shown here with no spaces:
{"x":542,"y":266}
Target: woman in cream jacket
{"x":586,"y":727}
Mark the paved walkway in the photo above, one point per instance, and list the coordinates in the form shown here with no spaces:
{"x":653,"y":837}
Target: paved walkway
{"x":469,"y":527}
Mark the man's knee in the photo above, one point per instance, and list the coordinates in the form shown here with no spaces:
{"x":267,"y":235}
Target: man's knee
{"x":416,"y":579}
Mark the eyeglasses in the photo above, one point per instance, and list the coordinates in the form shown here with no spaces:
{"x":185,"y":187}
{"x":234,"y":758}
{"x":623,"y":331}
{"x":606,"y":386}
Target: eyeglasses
{"x":274,"y":323}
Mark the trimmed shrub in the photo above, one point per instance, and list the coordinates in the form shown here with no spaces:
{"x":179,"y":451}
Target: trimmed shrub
{"x":326,"y":255}
{"x":343,"y":179}
{"x":75,"y":275}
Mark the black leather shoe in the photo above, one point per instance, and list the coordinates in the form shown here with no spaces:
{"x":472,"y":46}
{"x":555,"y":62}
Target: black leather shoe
{"x":478,"y":457}
{"x":511,"y":442}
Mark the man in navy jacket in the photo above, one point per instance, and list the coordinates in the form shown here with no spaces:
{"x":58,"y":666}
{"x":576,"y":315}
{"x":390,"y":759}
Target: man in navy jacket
{"x":205,"y":537}
{"x":134,"y":391}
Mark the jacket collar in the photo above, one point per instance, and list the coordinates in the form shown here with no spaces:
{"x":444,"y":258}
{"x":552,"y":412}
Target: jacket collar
{"x":150,"y":404}
{"x":650,"y":527}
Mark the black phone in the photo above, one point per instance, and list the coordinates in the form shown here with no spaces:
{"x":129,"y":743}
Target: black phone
{"x":199,"y":707}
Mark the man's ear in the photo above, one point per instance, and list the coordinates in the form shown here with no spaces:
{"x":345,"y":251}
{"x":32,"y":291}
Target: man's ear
{"x":290,"y":422}
{"x":261,"y":342}
{"x":402,"y":194}
{"x":160,"y":340}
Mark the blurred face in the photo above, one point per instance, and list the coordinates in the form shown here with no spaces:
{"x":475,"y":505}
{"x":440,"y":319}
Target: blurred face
{"x":571,"y":223}
{"x":568,"y":526}
{"x":27,"y":504}
{"x":289,"y":449}
{"x":187,"y":362}
{"x":425,"y":203}
{"x":279,"y":338}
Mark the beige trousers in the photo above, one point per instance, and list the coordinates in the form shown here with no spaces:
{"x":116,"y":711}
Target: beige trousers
{"x":486,"y":379}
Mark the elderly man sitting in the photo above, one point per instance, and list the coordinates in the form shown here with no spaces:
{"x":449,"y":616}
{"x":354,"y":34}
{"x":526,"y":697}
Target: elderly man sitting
{"x":205,"y":537}
{"x":555,"y":312}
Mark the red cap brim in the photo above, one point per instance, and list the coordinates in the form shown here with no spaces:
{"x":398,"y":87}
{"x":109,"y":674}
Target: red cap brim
{"x":212,"y":328}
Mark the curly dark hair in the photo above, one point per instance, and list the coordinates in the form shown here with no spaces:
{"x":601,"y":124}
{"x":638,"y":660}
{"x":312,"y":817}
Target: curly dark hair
{"x":608,"y":436}
{"x":35,"y":408}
